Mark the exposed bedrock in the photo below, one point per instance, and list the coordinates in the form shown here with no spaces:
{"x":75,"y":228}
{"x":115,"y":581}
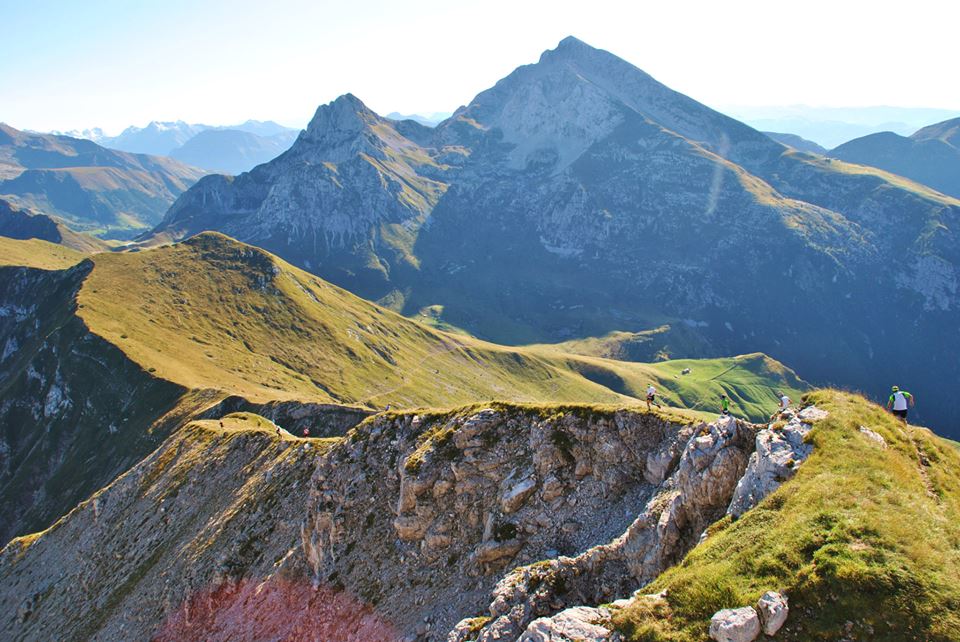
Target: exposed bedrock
{"x":584,"y":505}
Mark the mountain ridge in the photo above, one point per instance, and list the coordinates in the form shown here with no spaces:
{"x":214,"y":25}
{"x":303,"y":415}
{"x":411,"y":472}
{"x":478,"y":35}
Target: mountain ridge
{"x":931,"y":155}
{"x":578,"y":196}
{"x":91,"y":188}
{"x":103,"y":357}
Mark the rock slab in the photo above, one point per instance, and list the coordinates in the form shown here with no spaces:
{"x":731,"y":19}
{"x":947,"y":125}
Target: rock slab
{"x":773,"y":610}
{"x":735,"y":625}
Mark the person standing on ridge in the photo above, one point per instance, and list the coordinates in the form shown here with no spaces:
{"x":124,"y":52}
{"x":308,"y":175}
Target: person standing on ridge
{"x":652,"y":397}
{"x":724,"y":405}
{"x":784,"y":403}
{"x":899,"y":401}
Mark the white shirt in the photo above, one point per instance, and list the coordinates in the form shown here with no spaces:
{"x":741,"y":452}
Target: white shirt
{"x":899,"y":401}
{"x":651,"y":391}
{"x":784,"y":402}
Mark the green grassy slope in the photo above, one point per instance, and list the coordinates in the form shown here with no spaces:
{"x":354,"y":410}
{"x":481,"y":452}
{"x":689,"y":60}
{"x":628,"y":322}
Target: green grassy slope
{"x":35,"y":253}
{"x":862,"y":534}
{"x":214,"y":313}
{"x":656,"y":344}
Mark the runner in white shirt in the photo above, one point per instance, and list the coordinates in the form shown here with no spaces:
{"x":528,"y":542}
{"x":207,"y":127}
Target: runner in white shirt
{"x":784,"y":401}
{"x":652,"y":397}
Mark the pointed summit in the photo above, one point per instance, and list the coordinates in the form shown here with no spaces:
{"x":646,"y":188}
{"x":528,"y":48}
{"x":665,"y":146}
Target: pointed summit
{"x":345,"y":108}
{"x":570,"y":46}
{"x":338,"y":123}
{"x":629,"y":86}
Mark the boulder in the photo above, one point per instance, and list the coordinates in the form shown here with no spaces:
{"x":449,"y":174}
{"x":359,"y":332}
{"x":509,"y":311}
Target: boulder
{"x":735,"y":625}
{"x":493,"y":550}
{"x":579,"y":623}
{"x":773,"y":610}
{"x":812,"y":414}
{"x":515,"y":495}
{"x":873,"y":436}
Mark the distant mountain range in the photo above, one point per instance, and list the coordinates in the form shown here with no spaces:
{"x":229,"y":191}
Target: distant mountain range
{"x":232,"y":149}
{"x":113,"y":194}
{"x":797,"y":142}
{"x":430,"y":120}
{"x":930,"y":156}
{"x":833,"y":126}
{"x":579,"y":196}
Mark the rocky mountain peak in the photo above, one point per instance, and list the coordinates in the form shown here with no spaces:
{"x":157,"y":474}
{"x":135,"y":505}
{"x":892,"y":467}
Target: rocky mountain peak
{"x":337,"y":127}
{"x":576,"y":94}
{"x":346,"y":113}
{"x":569,"y":47}
{"x":551,"y":110}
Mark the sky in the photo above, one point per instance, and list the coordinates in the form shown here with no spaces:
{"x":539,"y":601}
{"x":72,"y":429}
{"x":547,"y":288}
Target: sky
{"x":111,"y":63}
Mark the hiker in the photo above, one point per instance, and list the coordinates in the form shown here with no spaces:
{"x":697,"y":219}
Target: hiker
{"x":277,"y":426}
{"x":784,"y":403}
{"x":652,"y":397}
{"x":898,"y":401}
{"x":724,"y":405}
{"x":306,"y":433}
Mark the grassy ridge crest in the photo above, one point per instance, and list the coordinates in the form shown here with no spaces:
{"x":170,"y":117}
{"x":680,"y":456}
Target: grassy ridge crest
{"x":863,"y":534}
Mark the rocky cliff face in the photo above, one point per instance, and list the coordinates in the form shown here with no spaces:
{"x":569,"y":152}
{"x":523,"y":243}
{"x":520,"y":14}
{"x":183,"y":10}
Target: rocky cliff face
{"x":69,"y":400}
{"x":398,"y":530}
{"x":461,"y":498}
{"x":350,"y":189}
{"x":580,"y":196}
{"x":200,"y":540}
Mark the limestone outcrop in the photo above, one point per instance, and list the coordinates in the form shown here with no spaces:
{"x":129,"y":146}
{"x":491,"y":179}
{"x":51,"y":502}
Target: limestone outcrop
{"x":780,"y":449}
{"x":462,"y":497}
{"x":530,"y":516}
{"x":678,"y":511}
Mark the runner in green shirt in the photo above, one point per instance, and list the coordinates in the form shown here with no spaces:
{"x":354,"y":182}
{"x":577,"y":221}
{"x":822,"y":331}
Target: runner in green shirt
{"x":899,"y":401}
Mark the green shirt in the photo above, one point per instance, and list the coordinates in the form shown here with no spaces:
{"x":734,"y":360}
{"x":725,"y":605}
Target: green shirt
{"x":724,"y":403}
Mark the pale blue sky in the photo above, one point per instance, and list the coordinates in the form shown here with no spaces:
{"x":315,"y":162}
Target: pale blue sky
{"x":112,"y":63}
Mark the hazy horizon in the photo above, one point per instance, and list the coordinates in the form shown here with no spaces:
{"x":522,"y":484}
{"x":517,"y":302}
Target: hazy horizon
{"x":66,"y":66}
{"x":859,"y":114}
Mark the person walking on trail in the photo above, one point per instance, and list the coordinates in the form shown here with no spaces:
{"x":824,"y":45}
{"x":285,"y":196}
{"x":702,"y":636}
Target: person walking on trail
{"x":652,"y":397}
{"x":784,"y":403}
{"x":724,"y":405}
{"x":899,"y":401}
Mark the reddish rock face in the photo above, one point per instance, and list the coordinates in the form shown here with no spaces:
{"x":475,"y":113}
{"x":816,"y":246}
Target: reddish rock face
{"x":274,"y":609}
